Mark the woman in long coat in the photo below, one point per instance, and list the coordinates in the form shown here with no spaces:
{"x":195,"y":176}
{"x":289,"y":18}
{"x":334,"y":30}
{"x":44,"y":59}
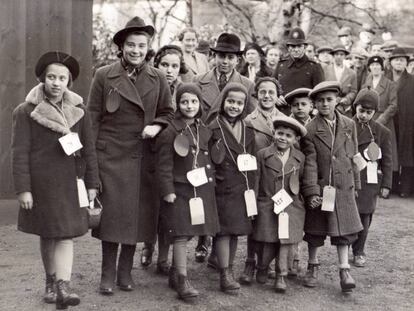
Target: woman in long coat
{"x":130,"y":102}
{"x":46,"y":178}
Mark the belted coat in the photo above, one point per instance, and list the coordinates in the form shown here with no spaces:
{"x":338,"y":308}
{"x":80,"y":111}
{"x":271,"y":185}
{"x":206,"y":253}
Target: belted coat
{"x":120,"y":110}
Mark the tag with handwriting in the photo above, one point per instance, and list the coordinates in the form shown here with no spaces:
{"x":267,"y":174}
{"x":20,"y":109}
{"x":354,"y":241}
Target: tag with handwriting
{"x":281,"y":200}
{"x":70,"y":143}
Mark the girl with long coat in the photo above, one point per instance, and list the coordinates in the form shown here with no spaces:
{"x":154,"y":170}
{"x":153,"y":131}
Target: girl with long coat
{"x":130,"y":103}
{"x":46,"y":178}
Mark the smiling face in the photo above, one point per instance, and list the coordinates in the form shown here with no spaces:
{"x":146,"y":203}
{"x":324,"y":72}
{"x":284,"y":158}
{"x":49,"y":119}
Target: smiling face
{"x":326,"y":102}
{"x":267,"y":95}
{"x":170,"y":65}
{"x":285,"y":137}
{"x":56,"y":81}
{"x":226,"y":62}
{"x":189,"y":42}
{"x":301,"y":107}
{"x":189,"y":105}
{"x":364,"y":114}
{"x":135,"y":49}
{"x":233,"y":105}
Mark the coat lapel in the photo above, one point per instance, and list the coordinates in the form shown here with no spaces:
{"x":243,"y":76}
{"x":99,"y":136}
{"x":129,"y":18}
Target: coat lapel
{"x":343,"y":132}
{"x":271,"y":160}
{"x":209,"y":88}
{"x":258,"y":123}
{"x":322,"y":131}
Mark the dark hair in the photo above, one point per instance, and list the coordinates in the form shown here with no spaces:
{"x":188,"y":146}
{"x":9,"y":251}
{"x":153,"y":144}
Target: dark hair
{"x":268,"y":79}
{"x":184,"y":31}
{"x":42,"y":77}
{"x":170,"y":49}
{"x":140,"y":32}
{"x":234,"y":87}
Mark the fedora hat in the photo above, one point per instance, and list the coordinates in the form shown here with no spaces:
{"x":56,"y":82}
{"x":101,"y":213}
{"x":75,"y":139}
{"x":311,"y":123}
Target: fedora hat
{"x":339,"y":48}
{"x":135,"y":24}
{"x":54,"y":57}
{"x":227,"y":43}
{"x":296,"y":37}
{"x":399,"y":52}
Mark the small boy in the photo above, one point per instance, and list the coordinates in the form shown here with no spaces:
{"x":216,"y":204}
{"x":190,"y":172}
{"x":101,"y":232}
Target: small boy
{"x":329,"y":146}
{"x":301,"y":105}
{"x":374,"y":144}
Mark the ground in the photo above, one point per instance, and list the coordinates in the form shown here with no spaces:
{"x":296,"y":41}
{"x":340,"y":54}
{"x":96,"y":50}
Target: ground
{"x":386,"y":283}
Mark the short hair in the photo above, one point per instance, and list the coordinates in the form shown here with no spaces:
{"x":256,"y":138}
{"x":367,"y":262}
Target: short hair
{"x":42,"y":77}
{"x":185,"y":30}
{"x":138,"y":32}
{"x":268,"y":79}
{"x":170,"y":49}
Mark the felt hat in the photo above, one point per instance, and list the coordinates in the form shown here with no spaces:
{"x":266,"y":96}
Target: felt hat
{"x":135,"y":24}
{"x":253,"y":46}
{"x":344,"y":31}
{"x":368,"y":28}
{"x":290,"y":123}
{"x":57,"y":57}
{"x":399,"y":52}
{"x":324,"y":48}
{"x":296,"y":37}
{"x":368,"y":98}
{"x":300,"y":92}
{"x":324,"y":87}
{"x":227,"y":43}
{"x":376,"y":59}
{"x":389,"y":45}
{"x":339,"y":48}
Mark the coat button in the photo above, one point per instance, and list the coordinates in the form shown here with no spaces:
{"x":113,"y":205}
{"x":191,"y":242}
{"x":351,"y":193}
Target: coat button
{"x":206,"y":152}
{"x":208,"y":166}
{"x":210,"y":179}
{"x":193,"y":151}
{"x":333,"y":158}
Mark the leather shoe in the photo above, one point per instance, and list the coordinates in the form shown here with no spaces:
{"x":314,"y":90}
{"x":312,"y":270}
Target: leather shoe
{"x":262,"y":275}
{"x":106,"y":291}
{"x":359,"y":261}
{"x":280,"y":284}
{"x":347,"y":282}
{"x":146,"y":256}
{"x":201,"y":253}
{"x":311,"y":277}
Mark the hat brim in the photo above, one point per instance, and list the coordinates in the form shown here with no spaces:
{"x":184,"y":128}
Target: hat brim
{"x":399,"y":55}
{"x":226,"y":50}
{"x":119,"y":37}
{"x":296,"y":42}
{"x":312,"y":95}
{"x":339,"y":50}
{"x":57,"y":58}
{"x":298,"y":128}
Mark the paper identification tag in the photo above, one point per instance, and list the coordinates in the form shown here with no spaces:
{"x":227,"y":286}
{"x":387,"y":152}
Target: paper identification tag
{"x":372,"y":172}
{"x":251,"y":205}
{"x":246,"y":162}
{"x":70,"y":143}
{"x":359,"y":161}
{"x":281,"y":200}
{"x":197,"y":177}
{"x":283,"y":226}
{"x":197,"y":211}
{"x":328,"y":199}
{"x":82,"y":193}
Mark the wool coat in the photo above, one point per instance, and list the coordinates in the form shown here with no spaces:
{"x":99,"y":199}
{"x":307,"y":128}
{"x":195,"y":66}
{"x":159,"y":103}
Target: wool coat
{"x":40,"y":165}
{"x":337,"y":162}
{"x":230,"y":182}
{"x":387,"y":110}
{"x":264,"y":71}
{"x":120,"y":110}
{"x":172,"y":171}
{"x":197,"y":63}
{"x":367,"y":196}
{"x":272,"y":176}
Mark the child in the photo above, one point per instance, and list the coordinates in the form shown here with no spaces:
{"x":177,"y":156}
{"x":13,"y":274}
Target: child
{"x":182,"y":148}
{"x":300,"y":105}
{"x":232,"y":138}
{"x":280,"y":169}
{"x":329,"y":146}
{"x":369,"y":132}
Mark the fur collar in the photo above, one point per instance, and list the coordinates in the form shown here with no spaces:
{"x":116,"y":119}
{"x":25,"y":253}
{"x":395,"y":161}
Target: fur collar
{"x":48,"y":116}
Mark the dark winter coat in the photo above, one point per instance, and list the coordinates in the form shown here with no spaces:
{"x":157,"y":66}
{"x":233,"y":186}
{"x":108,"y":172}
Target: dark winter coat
{"x":40,"y":165}
{"x":172,"y":178}
{"x":367,"y":196}
{"x":230,"y":182}
{"x":268,"y":183}
{"x":316,"y":145}
{"x":126,"y":161}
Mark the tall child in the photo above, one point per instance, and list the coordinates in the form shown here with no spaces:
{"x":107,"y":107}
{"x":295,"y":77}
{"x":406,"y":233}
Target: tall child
{"x":374,"y":144}
{"x":186,"y":179}
{"x":233,"y":141}
{"x":281,"y":216}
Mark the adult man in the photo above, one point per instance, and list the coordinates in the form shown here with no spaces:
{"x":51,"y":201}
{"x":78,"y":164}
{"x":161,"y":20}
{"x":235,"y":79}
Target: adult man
{"x":347,"y":78}
{"x":387,"y":49}
{"x":345,"y":36}
{"x":358,"y":65}
{"x":366,"y":35}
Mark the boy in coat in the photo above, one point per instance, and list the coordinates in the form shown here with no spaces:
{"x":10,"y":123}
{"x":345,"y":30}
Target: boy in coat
{"x":371,"y":136}
{"x":330,"y":146}
{"x":300,"y":104}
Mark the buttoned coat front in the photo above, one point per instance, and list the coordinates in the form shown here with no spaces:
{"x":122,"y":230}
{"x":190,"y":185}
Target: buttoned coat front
{"x":120,"y":110}
{"x":327,"y":157}
{"x":271,"y":175}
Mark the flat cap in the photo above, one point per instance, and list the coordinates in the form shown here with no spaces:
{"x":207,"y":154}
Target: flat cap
{"x":290,"y":123}
{"x":325,"y":86}
{"x":300,"y":92}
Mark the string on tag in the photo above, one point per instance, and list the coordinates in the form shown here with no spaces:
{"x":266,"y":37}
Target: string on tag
{"x":196,"y":141}
{"x":333,"y":135}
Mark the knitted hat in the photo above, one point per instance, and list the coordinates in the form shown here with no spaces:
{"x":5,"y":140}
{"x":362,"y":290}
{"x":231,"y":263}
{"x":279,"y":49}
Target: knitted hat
{"x":367,"y":98}
{"x":191,"y":88}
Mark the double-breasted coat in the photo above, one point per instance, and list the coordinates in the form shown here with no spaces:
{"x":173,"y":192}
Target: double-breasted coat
{"x":230,"y":182}
{"x":323,"y":161}
{"x":120,"y":110}
{"x":172,"y":172}
{"x":387,"y":109}
{"x":367,"y":196}
{"x":40,"y":165}
{"x":271,"y":174}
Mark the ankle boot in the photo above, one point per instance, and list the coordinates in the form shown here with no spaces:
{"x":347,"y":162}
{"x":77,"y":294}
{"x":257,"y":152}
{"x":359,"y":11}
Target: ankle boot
{"x":227,"y":282}
{"x":184,"y":289}
{"x":50,"y":289}
{"x":108,"y":274}
{"x":311,"y":277}
{"x":247,"y":277}
{"x":294,"y":270}
{"x":64,"y":297}
{"x":262,"y":274}
{"x":126,"y":260}
{"x":347,"y":282}
{"x":280,"y":284}
{"x":173,"y":278}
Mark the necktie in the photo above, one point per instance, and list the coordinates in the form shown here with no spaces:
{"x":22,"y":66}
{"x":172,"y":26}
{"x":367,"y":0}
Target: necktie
{"x":222,"y":81}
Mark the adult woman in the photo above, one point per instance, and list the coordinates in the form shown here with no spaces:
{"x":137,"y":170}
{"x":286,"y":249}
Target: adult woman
{"x":130,"y":103}
{"x":47,"y":176}
{"x":273,"y":54}
{"x":255,"y":65}
{"x":387,"y":108}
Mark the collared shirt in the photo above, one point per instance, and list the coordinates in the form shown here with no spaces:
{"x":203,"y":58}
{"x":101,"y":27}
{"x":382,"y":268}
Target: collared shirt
{"x":339,"y":70}
{"x":228,"y":75}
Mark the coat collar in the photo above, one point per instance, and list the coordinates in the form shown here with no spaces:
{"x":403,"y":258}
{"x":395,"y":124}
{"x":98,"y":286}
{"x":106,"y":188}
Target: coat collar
{"x":364,"y":135}
{"x":382,"y":84}
{"x":273,"y":162}
{"x":256,"y":120}
{"x":297,"y":62}
{"x":48,"y":116}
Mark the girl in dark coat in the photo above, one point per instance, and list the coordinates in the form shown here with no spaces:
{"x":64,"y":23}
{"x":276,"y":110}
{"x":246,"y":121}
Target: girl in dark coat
{"x":48,"y":178}
{"x":182,"y":148}
{"x":232,"y":137}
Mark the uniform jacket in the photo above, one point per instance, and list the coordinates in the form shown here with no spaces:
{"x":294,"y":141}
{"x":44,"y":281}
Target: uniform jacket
{"x":268,"y":183}
{"x":120,"y":110}
{"x":172,"y":177}
{"x":367,"y":196}
{"x":317,"y":146}
{"x":40,"y":165}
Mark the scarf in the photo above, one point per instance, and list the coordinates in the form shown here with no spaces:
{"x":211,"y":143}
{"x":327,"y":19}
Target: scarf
{"x":235,"y":129}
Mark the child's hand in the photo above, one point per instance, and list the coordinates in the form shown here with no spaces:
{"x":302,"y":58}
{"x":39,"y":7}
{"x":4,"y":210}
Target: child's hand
{"x":170,"y":198}
{"x":356,"y":193}
{"x":314,"y":201}
{"x":150,"y":131}
{"x":385,"y":193}
{"x":25,"y":200}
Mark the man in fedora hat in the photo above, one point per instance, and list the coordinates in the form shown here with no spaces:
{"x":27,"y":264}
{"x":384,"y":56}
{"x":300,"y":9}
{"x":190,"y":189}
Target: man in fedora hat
{"x":358,"y":64}
{"x":347,"y":78}
{"x":345,"y":36}
{"x":297,"y":70}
